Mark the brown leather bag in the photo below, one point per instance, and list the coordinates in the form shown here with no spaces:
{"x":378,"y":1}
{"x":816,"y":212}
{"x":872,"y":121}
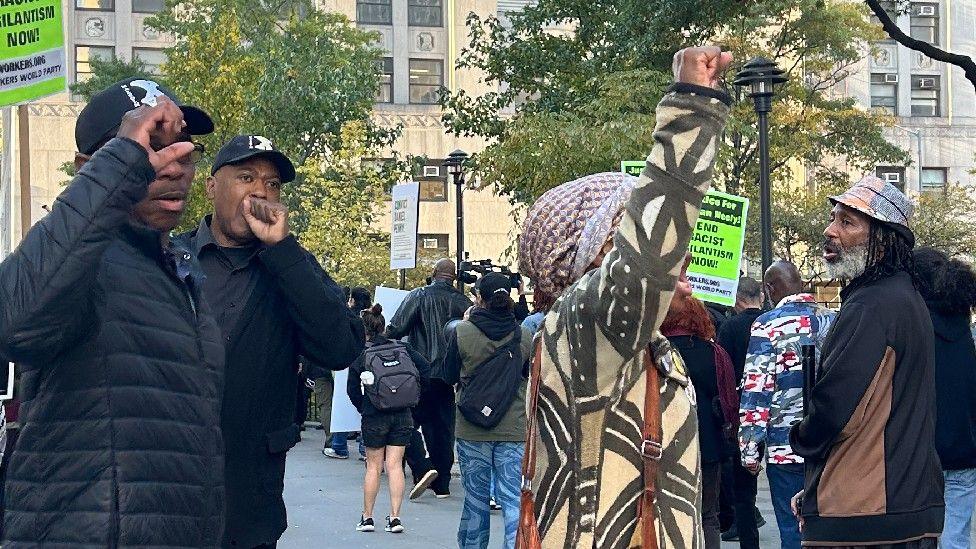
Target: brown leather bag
{"x":528,"y":530}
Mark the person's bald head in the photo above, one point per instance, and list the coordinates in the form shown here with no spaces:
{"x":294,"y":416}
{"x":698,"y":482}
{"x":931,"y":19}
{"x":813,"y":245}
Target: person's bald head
{"x":445,"y":269}
{"x":782,"y":279}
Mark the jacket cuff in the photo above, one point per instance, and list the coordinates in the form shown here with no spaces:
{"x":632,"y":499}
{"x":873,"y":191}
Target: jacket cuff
{"x":283,"y":255}
{"x":684,"y":87}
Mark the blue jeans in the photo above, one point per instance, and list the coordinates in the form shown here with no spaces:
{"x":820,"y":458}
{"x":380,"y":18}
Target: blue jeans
{"x":479,"y":460}
{"x":960,"y":497}
{"x":785,"y":481}
{"x":340,"y":444}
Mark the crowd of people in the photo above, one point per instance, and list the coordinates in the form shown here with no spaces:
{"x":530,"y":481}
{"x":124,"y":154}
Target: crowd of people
{"x":161,"y":375}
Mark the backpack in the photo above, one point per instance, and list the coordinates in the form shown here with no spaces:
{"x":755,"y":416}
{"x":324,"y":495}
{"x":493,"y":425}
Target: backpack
{"x":487,"y":394}
{"x":396,"y":380}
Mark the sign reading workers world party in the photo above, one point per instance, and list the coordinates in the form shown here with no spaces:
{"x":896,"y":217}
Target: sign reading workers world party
{"x":32,"y":61}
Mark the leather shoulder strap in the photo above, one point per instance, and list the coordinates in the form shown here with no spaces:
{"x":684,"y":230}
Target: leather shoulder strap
{"x":528,"y":460}
{"x":650,"y":450}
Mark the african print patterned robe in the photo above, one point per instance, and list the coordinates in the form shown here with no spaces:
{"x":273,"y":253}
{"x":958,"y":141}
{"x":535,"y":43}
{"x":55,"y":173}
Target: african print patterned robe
{"x":589,"y":476}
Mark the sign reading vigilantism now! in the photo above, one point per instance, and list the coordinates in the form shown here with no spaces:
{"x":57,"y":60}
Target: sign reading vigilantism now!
{"x":32,"y":60}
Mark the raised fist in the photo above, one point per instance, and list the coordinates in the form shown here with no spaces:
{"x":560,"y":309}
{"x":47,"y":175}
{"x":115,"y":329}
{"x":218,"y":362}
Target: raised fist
{"x":702,"y":66}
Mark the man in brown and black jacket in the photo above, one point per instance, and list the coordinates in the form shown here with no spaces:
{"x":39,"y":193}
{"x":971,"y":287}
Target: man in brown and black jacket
{"x":872,"y":473}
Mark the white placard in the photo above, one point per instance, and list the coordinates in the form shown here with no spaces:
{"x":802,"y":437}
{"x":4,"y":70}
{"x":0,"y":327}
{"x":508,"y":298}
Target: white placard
{"x":403,"y":233}
{"x":390,"y":299}
{"x":345,"y":417}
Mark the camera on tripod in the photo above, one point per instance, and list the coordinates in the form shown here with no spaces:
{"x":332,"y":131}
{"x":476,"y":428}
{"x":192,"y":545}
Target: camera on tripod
{"x":472,"y":270}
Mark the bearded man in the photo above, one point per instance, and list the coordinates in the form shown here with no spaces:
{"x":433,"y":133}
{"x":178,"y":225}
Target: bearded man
{"x":868,"y":436}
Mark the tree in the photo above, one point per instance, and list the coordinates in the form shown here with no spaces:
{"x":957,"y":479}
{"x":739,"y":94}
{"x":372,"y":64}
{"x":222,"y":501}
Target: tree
{"x":106,"y":72}
{"x":944,"y":220}
{"x":584,"y":100}
{"x":884,"y":10}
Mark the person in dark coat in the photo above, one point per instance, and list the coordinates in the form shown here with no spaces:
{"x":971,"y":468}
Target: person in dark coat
{"x":734,"y":338}
{"x":273,"y":302}
{"x":122,"y":363}
{"x":948,"y":287}
{"x":421,"y":319}
{"x":688,"y":326}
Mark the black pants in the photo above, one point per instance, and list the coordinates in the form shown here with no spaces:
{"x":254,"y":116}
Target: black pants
{"x":726,"y":512}
{"x":924,"y":543}
{"x":416,"y":455}
{"x":711,"y":488}
{"x":301,"y":402}
{"x":436,"y":414}
{"x":746,"y":487}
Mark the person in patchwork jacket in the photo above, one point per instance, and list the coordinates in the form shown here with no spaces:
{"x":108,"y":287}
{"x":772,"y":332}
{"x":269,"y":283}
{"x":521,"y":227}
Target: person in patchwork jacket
{"x":772,"y":389}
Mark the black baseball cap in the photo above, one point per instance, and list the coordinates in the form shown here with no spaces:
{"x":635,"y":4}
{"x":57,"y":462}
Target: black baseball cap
{"x":493,"y":283}
{"x":101,"y":117}
{"x":244,"y":147}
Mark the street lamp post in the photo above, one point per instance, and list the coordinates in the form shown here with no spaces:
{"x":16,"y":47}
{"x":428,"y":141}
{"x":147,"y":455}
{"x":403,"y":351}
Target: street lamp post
{"x":455,"y":166}
{"x":762,"y":75}
{"x":917,"y":134}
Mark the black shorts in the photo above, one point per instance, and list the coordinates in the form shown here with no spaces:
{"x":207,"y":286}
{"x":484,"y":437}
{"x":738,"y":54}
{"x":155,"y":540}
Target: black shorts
{"x":388,"y":429}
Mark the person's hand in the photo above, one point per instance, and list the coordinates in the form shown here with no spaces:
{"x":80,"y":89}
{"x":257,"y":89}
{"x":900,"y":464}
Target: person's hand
{"x":267,"y":220}
{"x":753,"y":467}
{"x":702,"y":66}
{"x":795,"y":506}
{"x":157,"y":130}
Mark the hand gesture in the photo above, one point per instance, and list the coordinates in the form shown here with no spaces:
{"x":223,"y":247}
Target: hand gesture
{"x":267,"y":220}
{"x":702,"y":66}
{"x":157,"y":130}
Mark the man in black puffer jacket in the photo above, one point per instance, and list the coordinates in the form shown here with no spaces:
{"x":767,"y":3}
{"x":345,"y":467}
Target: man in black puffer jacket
{"x":123,"y":363}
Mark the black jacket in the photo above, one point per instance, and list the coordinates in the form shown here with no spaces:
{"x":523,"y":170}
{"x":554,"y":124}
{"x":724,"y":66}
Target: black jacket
{"x":295,"y":309}
{"x":955,"y":387}
{"x":422,"y":316}
{"x":123,"y":374}
{"x":868,"y":438}
{"x":354,"y":385}
{"x":734,"y":338}
{"x":699,"y":357}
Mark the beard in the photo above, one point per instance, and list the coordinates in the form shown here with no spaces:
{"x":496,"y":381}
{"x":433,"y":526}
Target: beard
{"x":850,"y":263}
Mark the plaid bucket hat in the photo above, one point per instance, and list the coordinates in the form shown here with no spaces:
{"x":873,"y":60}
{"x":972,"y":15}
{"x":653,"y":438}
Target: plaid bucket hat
{"x":882,"y":202}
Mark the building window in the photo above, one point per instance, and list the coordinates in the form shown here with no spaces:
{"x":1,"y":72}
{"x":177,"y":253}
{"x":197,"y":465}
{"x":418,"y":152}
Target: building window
{"x":925,"y":96}
{"x":102,"y":5}
{"x":426,"y":80}
{"x":83,"y":57}
{"x":933,"y":178}
{"x":432,"y":177}
{"x":925,"y":22}
{"x":884,"y":92}
{"x":432,"y":243}
{"x":892,"y":174}
{"x":374,"y":12}
{"x":153,"y":58}
{"x":889,"y":7}
{"x":425,"y":13}
{"x":148,"y":6}
{"x":385,"y":69}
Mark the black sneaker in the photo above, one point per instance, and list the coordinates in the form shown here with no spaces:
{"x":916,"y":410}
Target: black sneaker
{"x":442,"y":494}
{"x":493,"y":505}
{"x":393,"y":525}
{"x":423,"y":484}
{"x":366,"y":525}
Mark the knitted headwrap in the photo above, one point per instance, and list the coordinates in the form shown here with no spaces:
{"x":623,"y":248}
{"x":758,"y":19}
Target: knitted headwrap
{"x":566,"y":228}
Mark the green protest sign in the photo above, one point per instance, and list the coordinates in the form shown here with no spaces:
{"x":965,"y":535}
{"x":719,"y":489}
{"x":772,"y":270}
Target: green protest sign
{"x":32,"y":61}
{"x":716,"y":244}
{"x":632,"y":167}
{"x":716,"y":247}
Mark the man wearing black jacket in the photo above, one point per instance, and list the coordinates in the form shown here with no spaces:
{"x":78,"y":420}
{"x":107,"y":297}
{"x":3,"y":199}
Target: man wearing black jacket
{"x":421,"y":318}
{"x":273,"y":302}
{"x":122,"y":363}
{"x":868,"y":437}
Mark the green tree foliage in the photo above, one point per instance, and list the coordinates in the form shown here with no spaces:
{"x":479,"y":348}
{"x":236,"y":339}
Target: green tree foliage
{"x":106,"y":72}
{"x":580,"y":100}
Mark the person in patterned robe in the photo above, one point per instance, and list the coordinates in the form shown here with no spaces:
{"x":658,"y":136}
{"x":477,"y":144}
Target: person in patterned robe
{"x":606,"y":299}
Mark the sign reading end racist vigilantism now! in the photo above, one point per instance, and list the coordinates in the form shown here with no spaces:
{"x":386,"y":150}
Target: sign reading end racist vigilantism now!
{"x":716,"y":244}
{"x":32,"y":61}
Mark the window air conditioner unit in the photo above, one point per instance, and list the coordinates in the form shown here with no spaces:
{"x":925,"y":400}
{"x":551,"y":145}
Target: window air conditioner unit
{"x":892,"y":177}
{"x":430,"y":244}
{"x":891,"y":78}
{"x":432,"y":171}
{"x":926,"y":83}
{"x":926,"y":11}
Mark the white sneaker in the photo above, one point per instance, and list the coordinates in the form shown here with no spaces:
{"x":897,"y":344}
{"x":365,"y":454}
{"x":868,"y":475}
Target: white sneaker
{"x":423,"y":484}
{"x":393,"y":525}
{"x":366,"y":525}
{"x":329,"y":452}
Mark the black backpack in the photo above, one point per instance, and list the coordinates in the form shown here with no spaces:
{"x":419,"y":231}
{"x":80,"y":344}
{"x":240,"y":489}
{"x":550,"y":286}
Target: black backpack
{"x":487,"y":394}
{"x":396,"y":380}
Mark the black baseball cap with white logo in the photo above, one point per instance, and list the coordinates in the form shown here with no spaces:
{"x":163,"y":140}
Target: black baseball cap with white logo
{"x":101,"y":117}
{"x":244,"y":147}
